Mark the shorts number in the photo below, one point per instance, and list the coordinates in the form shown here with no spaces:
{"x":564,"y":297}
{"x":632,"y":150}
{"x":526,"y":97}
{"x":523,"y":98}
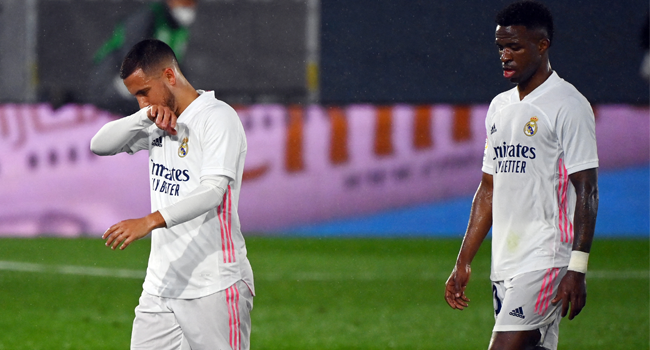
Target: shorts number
{"x":497,"y":301}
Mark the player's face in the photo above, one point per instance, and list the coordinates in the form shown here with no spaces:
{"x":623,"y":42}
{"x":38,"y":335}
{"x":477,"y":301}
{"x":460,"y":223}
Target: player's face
{"x":519,"y":51}
{"x":150,"y":90}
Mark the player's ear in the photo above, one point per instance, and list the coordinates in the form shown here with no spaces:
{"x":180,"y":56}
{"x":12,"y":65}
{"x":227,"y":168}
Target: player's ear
{"x":543,"y":45}
{"x":170,"y":75}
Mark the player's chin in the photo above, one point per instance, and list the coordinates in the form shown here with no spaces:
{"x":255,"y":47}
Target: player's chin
{"x":515,"y":79}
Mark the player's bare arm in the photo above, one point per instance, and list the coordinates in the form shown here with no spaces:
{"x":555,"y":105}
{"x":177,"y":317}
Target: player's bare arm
{"x":163,"y":117}
{"x":480,"y":221}
{"x":127,"y":231}
{"x":572,"y":291}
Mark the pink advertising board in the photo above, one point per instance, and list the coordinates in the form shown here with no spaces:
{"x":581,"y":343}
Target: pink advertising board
{"x":304,"y":164}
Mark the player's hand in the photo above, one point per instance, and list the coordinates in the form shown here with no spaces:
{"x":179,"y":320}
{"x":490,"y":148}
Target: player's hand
{"x":572,"y":290}
{"x":164,"y":118}
{"x":128,"y":231}
{"x":455,"y":287}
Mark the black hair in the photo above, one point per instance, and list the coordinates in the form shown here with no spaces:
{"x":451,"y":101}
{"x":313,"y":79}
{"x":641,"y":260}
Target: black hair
{"x":530,"y":14}
{"x":148,"y":55}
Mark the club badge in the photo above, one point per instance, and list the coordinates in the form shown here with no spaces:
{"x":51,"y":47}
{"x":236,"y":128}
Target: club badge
{"x":530,"y":128}
{"x":184,"y":148}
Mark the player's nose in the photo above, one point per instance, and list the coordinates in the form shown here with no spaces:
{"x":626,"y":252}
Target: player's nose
{"x":143,"y":102}
{"x":505,"y":55}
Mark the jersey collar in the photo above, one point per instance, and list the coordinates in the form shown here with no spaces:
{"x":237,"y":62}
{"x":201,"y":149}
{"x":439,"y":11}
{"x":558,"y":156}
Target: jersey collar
{"x":547,"y":84}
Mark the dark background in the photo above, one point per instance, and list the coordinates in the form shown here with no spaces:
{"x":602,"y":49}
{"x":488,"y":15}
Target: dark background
{"x":443,"y":51}
{"x":251,"y":51}
{"x":372,"y":51}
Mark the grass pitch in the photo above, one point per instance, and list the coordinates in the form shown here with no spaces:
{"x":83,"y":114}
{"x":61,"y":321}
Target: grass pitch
{"x":312,"y":294}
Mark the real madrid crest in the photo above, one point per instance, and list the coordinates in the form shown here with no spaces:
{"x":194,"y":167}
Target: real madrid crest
{"x":530,"y":128}
{"x":184,"y":148}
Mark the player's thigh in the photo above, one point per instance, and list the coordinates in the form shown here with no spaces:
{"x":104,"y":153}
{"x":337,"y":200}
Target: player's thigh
{"x":155,"y":326}
{"x":523,"y":304}
{"x":521,"y":340}
{"x":217,"y":321}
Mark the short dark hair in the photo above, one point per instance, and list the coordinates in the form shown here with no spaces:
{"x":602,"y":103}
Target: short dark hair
{"x":530,"y":14}
{"x":148,"y":55}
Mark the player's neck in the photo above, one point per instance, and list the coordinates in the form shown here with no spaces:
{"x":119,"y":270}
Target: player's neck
{"x":537,"y":79}
{"x":185,"y":97}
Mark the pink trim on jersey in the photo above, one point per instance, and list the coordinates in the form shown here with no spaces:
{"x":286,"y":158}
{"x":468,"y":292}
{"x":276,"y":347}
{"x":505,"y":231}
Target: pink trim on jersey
{"x":560,"y":191}
{"x":224,"y":212}
{"x":232,"y":299}
{"x":220,"y":210}
{"x":546,"y":292}
{"x":565,"y":224}
{"x":230,"y":241}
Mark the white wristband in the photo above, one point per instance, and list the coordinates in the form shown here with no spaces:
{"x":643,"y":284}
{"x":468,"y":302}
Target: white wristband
{"x":578,"y":261}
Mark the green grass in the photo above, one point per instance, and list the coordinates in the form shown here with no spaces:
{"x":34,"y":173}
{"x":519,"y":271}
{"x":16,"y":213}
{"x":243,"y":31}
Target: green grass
{"x":315,"y":294}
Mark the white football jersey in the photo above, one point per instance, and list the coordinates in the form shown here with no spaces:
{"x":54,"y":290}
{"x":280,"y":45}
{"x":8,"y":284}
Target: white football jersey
{"x":532,"y":147}
{"x":206,"y":254}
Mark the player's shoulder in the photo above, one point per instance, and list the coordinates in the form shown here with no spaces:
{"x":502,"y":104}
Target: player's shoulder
{"x":557,"y":98}
{"x":212,"y":106}
{"x":564,"y":92}
{"x":504,"y":97}
{"x":219,"y":114}
{"x":501,"y":100}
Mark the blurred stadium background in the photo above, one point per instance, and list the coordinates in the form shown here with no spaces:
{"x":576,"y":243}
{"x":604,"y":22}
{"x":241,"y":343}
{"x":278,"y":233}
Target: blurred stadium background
{"x":364,"y":121}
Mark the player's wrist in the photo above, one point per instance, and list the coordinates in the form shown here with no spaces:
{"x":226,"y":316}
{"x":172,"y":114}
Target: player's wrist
{"x":156,"y":220}
{"x":464,"y":260}
{"x":463,"y":266}
{"x":579,"y":261}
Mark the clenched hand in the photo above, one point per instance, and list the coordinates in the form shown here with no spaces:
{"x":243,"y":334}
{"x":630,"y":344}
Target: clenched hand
{"x":164,"y":118}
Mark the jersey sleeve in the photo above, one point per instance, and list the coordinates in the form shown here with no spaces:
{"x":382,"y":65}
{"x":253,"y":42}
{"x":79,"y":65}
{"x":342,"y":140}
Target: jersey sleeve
{"x":139,"y":143}
{"x":488,"y":163}
{"x":576,"y":131}
{"x":222,"y":142}
{"x":208,"y":195}
{"x":128,"y":134}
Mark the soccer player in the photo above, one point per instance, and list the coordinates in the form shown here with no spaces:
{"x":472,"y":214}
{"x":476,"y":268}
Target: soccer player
{"x":198,"y":290}
{"x":539,"y":191}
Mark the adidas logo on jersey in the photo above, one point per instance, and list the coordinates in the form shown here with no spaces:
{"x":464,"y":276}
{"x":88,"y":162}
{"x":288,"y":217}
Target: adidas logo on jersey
{"x":494,"y":129}
{"x":518,"y":312}
{"x":157,"y":142}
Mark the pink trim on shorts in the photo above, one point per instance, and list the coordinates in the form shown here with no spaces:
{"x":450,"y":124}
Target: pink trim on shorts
{"x":546,"y":292}
{"x":232,"y":299}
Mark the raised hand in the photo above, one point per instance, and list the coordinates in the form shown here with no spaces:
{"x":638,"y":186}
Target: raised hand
{"x":164,"y":118}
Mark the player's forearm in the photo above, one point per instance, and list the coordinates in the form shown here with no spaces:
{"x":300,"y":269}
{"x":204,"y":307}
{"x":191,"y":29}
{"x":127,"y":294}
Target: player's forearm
{"x":584,"y":222}
{"x":207,"y":196}
{"x":480,"y":222}
{"x":115,"y":135}
{"x":478,"y":228}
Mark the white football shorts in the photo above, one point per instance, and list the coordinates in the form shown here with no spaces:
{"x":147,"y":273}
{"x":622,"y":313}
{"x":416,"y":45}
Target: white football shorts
{"x":523,"y":303}
{"x":219,"y":321}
